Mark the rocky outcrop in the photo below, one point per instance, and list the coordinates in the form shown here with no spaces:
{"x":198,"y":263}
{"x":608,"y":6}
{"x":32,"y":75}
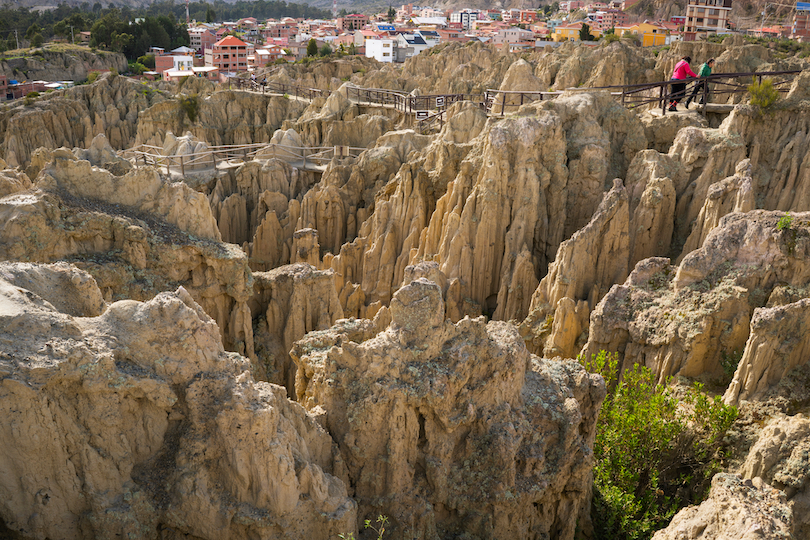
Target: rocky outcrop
{"x":225,"y":117}
{"x":63,"y":63}
{"x":682,"y":320}
{"x":12,"y":181}
{"x":586,"y":266}
{"x":779,"y":457}
{"x":288,"y":303}
{"x":128,"y":232}
{"x":71,"y":118}
{"x":142,"y":190}
{"x":61,"y":286}
{"x":736,"y":508}
{"x":445,"y":445}
{"x":574,"y":65}
{"x":503,"y":204}
{"x":734,"y":194}
{"x":661,"y":130}
{"x":136,"y":422}
{"x":779,"y":341}
{"x":464,"y":68}
{"x":258,"y":206}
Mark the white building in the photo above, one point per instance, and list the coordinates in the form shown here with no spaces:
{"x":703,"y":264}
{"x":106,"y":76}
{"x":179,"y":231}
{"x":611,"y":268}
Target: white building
{"x":707,"y":16}
{"x":465,"y":17}
{"x":380,"y":49}
{"x":408,"y":45}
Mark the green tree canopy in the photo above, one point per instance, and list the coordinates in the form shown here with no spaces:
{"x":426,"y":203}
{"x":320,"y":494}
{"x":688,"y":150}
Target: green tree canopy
{"x":585,"y":33}
{"x":312,"y":47}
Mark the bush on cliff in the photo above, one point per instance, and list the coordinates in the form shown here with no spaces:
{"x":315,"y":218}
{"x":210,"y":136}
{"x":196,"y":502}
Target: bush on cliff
{"x":655,"y":450}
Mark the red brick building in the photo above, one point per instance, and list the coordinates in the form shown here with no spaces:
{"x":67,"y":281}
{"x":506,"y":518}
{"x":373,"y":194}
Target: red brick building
{"x":801,"y":26}
{"x":228,"y":55}
{"x":355,"y":21}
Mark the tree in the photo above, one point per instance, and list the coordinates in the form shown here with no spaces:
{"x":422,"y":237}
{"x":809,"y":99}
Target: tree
{"x":210,"y":15}
{"x":392,"y":14}
{"x":36,"y":40}
{"x":352,"y":49}
{"x":32,"y":31}
{"x":312,"y":47}
{"x":585,"y":33}
{"x":326,"y":50}
{"x":343,"y":13}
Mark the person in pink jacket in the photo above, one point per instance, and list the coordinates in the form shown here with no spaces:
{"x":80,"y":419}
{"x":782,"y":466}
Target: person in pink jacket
{"x":682,"y":72}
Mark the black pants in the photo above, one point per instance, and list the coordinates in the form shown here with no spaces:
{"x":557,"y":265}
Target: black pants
{"x":699,"y":86}
{"x":678,"y":90}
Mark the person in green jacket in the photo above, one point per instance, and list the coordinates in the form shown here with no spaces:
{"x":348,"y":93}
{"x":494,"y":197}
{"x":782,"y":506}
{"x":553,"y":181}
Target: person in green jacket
{"x":705,"y":71}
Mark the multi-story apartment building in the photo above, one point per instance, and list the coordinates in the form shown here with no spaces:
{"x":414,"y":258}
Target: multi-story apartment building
{"x":465,"y":17}
{"x":605,"y":20}
{"x":228,"y":55}
{"x":201,"y":38}
{"x":355,"y":21}
{"x":706,"y":17}
{"x":801,"y":24}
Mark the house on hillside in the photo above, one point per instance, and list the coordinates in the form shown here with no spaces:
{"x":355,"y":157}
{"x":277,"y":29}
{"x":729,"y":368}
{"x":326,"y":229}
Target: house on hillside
{"x":707,"y":17}
{"x":650,"y":35}
{"x":228,"y":55}
{"x":570,"y":32}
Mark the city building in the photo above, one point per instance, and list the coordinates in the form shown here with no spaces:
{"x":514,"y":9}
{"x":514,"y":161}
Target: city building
{"x":801,"y":24}
{"x":605,"y":20}
{"x":512,"y":35}
{"x":648,"y":34}
{"x":229,"y":55}
{"x":464,"y":17}
{"x":179,"y":60}
{"x":201,"y":38}
{"x":570,"y":32}
{"x":408,"y":45}
{"x":381,"y":50}
{"x":355,"y":21}
{"x":704,"y":17}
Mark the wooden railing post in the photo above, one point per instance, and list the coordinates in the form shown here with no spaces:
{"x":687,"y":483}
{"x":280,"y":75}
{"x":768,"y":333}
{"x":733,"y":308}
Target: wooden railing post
{"x":182,"y":167}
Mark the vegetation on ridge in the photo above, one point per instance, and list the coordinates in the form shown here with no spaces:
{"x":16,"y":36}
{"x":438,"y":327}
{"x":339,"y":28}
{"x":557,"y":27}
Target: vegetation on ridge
{"x":656,"y":450}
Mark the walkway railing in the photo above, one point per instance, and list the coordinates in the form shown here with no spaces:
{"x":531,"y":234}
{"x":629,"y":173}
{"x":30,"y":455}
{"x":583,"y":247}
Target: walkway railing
{"x":272,"y":87}
{"x":719,"y":85}
{"x":307,"y":156}
{"x":658,"y":94}
{"x":499,"y":102}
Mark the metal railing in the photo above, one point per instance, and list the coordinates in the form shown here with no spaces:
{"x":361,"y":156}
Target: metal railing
{"x":272,"y":87}
{"x":214,"y":155}
{"x":657,"y":94}
{"x":719,"y":87}
{"x":512,"y":99}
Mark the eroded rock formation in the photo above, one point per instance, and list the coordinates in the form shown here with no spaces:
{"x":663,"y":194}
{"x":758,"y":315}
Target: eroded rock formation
{"x":682,"y":320}
{"x":453,"y":429}
{"x":735,"y":508}
{"x":135,"y":422}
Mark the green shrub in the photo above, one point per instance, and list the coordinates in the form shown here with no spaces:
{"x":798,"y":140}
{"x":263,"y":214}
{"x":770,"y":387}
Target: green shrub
{"x":785,"y":222}
{"x":763,"y":94}
{"x":92,"y":77}
{"x":136,"y":68}
{"x":190,"y":105}
{"x":729,"y":363}
{"x":653,"y":456}
{"x":33,"y":94}
{"x":611,"y":38}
